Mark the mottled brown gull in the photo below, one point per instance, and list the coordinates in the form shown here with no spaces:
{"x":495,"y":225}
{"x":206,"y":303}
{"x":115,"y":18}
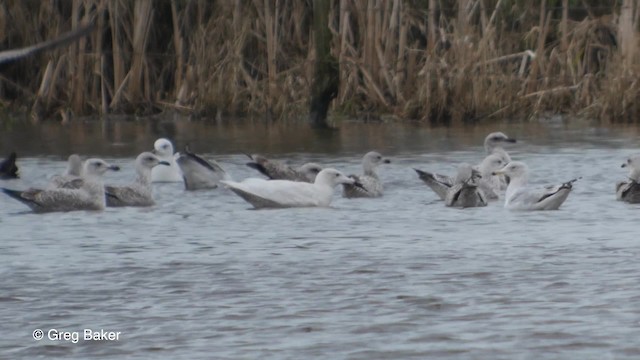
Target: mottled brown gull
{"x":276,"y":170}
{"x":88,"y":193}
{"x":139,"y":192}
{"x":370,"y":181}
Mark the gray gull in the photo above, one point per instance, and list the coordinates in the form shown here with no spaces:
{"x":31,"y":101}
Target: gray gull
{"x":371,"y":185}
{"x":138,"y":193}
{"x":520,"y":197}
{"x":465,"y":192}
{"x":89,"y":194}
{"x":199,"y":173}
{"x":277,"y":170}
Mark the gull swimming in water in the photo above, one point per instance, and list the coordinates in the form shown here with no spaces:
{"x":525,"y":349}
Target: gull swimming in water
{"x":629,"y":191}
{"x":371,"y":185}
{"x":276,"y":170}
{"x":493,"y":146}
{"x":73,"y":171}
{"x":199,"y":173}
{"x":465,"y":192}
{"x":139,"y":193}
{"x":8,"y":167}
{"x":520,"y":197}
{"x":89,"y":194}
{"x":490,"y":184}
{"x":440,"y":184}
{"x":163,"y":149}
{"x":262,"y":193}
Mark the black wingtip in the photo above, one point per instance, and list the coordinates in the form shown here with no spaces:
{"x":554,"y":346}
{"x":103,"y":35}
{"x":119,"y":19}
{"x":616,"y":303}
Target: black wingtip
{"x":16,"y":194}
{"x":256,"y":166}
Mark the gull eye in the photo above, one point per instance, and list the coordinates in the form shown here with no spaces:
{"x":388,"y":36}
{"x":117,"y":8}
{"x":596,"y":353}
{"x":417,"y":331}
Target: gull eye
{"x":149,"y":159}
{"x":337,"y":175}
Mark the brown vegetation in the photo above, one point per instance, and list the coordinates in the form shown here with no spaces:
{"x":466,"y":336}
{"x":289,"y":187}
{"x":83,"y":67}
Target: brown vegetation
{"x":438,"y":61}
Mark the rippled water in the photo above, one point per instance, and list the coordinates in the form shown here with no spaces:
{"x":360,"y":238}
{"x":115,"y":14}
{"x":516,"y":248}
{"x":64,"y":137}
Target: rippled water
{"x":201,"y":276}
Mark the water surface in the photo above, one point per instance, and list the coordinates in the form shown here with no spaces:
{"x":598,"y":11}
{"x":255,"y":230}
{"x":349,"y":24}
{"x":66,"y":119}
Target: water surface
{"x":201,"y":276}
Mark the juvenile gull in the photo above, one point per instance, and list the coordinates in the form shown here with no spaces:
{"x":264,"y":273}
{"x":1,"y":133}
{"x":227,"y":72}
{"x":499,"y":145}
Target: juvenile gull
{"x":493,"y":146}
{"x":521,"y":197}
{"x":629,"y":191}
{"x":199,"y":173}
{"x":73,"y":172}
{"x":262,"y":193}
{"x":440,"y":184}
{"x":8,"y":167}
{"x":277,"y":170}
{"x":138,"y":193}
{"x":89,"y":194}
{"x":163,"y":149}
{"x":491,"y":184}
{"x":465,"y":191}
{"x":371,"y":185}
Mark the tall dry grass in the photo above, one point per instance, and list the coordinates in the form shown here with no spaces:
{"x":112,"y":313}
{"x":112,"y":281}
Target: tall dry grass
{"x":439,"y":61}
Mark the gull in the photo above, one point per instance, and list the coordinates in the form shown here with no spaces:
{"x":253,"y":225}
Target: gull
{"x":199,"y":173}
{"x":493,"y":146}
{"x":490,"y":184}
{"x":277,"y":170}
{"x":465,"y":192}
{"x":12,"y":55}
{"x":371,"y":185}
{"x":8,"y":167}
{"x":520,"y":197}
{"x":163,"y":149}
{"x":262,"y":193}
{"x":73,"y":171}
{"x":629,"y":191}
{"x":138,"y":193}
{"x":88,"y":194}
{"x":440,"y":184}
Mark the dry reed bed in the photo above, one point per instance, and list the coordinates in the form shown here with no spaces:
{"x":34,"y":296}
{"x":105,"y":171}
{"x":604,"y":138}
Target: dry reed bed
{"x":475,"y":60}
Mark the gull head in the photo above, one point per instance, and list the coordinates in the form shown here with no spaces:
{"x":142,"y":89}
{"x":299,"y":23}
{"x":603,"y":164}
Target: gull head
{"x":310,"y":170}
{"x":333,"y":177}
{"x":491,"y":163}
{"x":163,"y":147}
{"x":375,"y":158}
{"x":633,"y":163}
{"x":496,"y":139}
{"x":149,"y":160}
{"x":466,"y":173}
{"x":514,"y":169}
{"x":97,"y":167}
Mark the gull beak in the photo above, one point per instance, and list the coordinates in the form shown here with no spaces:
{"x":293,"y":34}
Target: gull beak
{"x":154,"y":152}
{"x":510,"y":140}
{"x":386,"y":161}
{"x":114,"y":167}
{"x":164,"y":163}
{"x":498,"y":172}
